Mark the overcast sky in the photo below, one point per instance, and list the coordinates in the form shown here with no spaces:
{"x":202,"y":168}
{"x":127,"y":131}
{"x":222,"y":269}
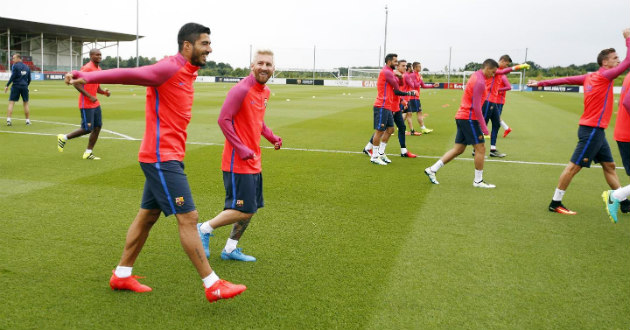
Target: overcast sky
{"x":350,"y":32}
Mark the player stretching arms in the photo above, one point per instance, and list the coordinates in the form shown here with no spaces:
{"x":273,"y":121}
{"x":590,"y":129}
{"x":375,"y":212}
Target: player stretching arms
{"x":242,"y":123}
{"x":387,"y":88}
{"x":470,"y":125}
{"x":414,"y":81}
{"x":619,"y":198}
{"x":493,"y":106}
{"x":397,"y":113}
{"x":169,"y":102}
{"x":598,"y":104}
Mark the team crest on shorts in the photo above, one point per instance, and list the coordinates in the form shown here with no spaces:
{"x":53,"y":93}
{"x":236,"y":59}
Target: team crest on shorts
{"x":480,"y":137}
{"x":239,"y":203}
{"x":179,"y":201}
{"x":89,"y":124}
{"x":585,"y":160}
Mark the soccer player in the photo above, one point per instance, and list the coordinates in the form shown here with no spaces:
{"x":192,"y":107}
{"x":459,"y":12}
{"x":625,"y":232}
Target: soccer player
{"x":598,"y":104}
{"x":618,"y":199}
{"x":168,"y":110}
{"x":470,"y":126}
{"x":397,"y":113}
{"x":493,"y":106}
{"x":90,"y":108}
{"x":242,"y":122}
{"x":415,"y":82}
{"x":21,"y":78}
{"x":387,"y":88}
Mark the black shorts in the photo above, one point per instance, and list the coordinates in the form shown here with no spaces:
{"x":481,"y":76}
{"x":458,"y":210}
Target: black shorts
{"x":414,"y":106}
{"x":166,"y":188}
{"x":383,"y":119}
{"x":491,"y":111}
{"x":624,"y":151}
{"x":468,"y":132}
{"x":91,"y":118}
{"x":592,"y":146}
{"x":17,"y":91}
{"x":243,"y":192}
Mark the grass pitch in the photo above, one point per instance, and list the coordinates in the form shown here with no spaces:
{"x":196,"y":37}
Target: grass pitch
{"x":341,"y":243}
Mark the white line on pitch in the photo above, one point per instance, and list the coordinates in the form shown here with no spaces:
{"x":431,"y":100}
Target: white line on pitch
{"x":127,"y":138}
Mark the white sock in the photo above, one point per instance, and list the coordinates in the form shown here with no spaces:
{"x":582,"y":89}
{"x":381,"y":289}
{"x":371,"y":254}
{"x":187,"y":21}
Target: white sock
{"x":8,"y":118}
{"x":375,"y":152}
{"x":369,"y":146}
{"x":478,"y":175}
{"x":206,"y":228}
{"x":504,"y":125}
{"x":230,"y":245}
{"x":88,"y":151}
{"x":381,"y":148}
{"x":435,"y":167}
{"x":423,"y":127}
{"x":123,"y":271}
{"x":557,"y":196}
{"x":209,"y":280}
{"x":622,"y":193}
{"x":403,"y":150}
{"x":28,"y":121}
{"x":65,"y":138}
{"x":492,"y":148}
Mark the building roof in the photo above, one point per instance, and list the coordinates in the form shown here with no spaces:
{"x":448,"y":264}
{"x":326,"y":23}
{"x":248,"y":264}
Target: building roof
{"x":18,"y":26}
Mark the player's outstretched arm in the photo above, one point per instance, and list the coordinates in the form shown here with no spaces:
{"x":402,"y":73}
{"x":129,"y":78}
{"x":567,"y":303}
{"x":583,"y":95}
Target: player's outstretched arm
{"x":615,"y":72}
{"x":150,"y":75}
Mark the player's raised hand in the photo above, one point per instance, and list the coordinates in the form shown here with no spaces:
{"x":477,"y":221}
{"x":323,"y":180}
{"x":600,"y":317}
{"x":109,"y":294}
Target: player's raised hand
{"x":523,"y":66}
{"x":532,"y":83}
{"x":626,"y":33}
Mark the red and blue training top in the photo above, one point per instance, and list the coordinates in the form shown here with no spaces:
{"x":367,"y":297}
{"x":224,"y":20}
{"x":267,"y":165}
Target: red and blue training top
{"x":242,"y":122}
{"x":168,"y":107}
{"x":92,"y":89}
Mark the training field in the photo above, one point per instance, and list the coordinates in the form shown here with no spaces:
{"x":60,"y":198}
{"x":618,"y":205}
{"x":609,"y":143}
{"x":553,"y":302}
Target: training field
{"x":341,"y":243}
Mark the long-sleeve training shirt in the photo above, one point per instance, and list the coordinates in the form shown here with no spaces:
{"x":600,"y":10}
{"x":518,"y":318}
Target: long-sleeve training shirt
{"x":415,"y":82}
{"x":598,"y":91}
{"x":622,"y":126}
{"x":474,"y":94}
{"x":20,"y":75}
{"x":387,"y":88}
{"x":242,"y":122}
{"x":168,"y":107}
{"x":500,"y":86}
{"x":92,"y":89}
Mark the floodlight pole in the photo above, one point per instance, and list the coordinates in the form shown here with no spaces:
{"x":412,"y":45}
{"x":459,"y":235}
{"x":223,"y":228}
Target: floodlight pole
{"x":9,"y":50}
{"x":41,"y":46}
{"x":524,"y":71}
{"x":137,"y":34}
{"x":385,"y":42}
{"x":313,"y":64}
{"x":448,"y":75}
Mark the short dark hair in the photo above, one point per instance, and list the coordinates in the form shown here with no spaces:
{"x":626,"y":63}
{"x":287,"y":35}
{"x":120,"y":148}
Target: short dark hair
{"x":400,"y":61}
{"x":94,"y":50}
{"x":415,"y":63}
{"x":603,"y":54}
{"x":410,"y":66}
{"x":490,"y":63}
{"x":506,"y":58}
{"x":390,"y":57}
{"x":190,"y":32}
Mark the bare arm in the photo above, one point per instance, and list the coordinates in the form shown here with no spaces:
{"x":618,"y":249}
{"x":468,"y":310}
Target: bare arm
{"x":82,"y":90}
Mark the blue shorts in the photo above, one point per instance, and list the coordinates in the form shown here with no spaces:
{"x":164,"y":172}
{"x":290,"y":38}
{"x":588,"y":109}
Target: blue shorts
{"x":468,"y":132}
{"x":414,"y":106}
{"x":243,"y":192}
{"x":91,"y":118}
{"x":17,"y":91}
{"x":166,"y":188}
{"x":624,"y":151}
{"x":383,"y":119}
{"x":592,"y":146}
{"x":491,"y":111}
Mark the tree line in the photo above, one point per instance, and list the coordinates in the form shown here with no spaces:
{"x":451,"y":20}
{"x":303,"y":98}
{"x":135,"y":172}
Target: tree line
{"x":221,"y":69}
